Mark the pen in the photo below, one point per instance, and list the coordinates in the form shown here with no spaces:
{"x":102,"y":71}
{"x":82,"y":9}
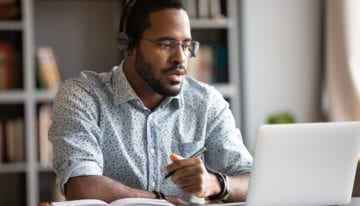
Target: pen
{"x":199,"y":152}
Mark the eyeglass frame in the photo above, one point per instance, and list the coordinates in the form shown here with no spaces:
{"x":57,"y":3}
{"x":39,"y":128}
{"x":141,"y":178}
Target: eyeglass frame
{"x":161,"y":44}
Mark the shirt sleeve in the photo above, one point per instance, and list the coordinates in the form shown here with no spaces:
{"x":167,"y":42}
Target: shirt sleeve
{"x":228,"y":153}
{"x":74,"y":133}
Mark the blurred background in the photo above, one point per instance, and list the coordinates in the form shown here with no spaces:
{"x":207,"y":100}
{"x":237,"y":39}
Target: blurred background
{"x":275,"y":61}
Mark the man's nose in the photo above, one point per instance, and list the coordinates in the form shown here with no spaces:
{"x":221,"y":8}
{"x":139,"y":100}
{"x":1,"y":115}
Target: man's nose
{"x":179,"y":55}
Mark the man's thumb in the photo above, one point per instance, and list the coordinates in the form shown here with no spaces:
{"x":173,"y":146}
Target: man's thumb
{"x":175,"y":157}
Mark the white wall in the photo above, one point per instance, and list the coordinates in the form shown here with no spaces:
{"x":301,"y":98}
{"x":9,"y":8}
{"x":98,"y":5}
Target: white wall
{"x":281,"y":61}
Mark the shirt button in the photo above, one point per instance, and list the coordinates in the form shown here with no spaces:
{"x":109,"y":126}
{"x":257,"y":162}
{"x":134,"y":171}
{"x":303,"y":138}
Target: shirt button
{"x":152,"y":184}
{"x":152,"y":151}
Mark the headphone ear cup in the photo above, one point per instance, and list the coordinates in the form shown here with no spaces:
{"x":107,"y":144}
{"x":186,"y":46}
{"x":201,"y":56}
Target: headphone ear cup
{"x":122,"y":41}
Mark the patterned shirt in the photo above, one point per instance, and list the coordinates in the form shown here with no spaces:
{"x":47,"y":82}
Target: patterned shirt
{"x":101,"y":127}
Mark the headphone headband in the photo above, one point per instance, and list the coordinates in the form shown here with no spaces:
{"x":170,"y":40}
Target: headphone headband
{"x":123,"y":40}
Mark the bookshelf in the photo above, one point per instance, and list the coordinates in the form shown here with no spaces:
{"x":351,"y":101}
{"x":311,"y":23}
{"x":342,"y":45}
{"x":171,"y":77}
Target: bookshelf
{"x":52,"y":23}
{"x":224,"y":32}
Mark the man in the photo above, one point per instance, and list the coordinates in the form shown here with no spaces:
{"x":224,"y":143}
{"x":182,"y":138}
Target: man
{"x":118,"y":134}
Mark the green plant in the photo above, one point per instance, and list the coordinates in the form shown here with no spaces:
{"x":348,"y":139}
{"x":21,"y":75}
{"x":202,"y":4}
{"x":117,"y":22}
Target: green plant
{"x":282,"y":117}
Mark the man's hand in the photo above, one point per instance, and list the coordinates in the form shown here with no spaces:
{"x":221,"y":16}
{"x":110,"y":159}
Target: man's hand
{"x":191,"y":176}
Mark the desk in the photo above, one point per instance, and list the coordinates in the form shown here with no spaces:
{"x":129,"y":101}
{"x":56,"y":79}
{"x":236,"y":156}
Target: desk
{"x":354,"y":202}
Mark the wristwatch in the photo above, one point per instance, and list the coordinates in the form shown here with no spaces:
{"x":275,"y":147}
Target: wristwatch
{"x":225,"y":188}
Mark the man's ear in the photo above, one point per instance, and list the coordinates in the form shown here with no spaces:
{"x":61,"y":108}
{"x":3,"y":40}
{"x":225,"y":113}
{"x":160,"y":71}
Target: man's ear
{"x":127,"y":53}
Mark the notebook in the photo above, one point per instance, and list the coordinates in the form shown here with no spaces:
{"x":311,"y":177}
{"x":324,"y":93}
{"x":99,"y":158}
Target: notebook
{"x":304,"y":164}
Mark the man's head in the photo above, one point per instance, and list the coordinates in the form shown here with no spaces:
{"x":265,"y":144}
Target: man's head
{"x":160,"y":45}
{"x":135,"y":17}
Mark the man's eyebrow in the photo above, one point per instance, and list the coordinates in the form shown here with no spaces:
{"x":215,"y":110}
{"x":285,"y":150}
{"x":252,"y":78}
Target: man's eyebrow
{"x":172,"y":39}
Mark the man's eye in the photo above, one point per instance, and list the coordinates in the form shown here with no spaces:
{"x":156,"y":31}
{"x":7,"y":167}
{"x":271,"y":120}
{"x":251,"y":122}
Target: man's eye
{"x":187,"y":46}
{"x":165,"y":45}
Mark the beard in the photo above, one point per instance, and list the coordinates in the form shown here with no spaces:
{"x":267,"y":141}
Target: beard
{"x":146,"y":73}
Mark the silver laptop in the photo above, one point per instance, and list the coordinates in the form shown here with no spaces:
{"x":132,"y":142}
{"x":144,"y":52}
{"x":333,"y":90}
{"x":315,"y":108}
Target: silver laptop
{"x":304,"y":164}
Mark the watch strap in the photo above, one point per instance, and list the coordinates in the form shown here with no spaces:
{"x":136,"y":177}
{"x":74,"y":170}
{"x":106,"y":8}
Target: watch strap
{"x":225,"y":188}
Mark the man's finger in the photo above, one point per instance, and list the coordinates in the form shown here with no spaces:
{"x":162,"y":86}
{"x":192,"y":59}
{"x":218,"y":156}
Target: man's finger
{"x":175,"y":157}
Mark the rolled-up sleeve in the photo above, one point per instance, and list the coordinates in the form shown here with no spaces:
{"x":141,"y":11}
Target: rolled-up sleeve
{"x":75,"y":134}
{"x":78,"y":169}
{"x":228,"y":152}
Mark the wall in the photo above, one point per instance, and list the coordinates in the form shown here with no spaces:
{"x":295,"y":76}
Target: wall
{"x":82,"y":32}
{"x":281,"y":61}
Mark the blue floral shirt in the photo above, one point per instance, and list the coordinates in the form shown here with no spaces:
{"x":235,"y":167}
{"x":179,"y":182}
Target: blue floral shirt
{"x":101,"y":127}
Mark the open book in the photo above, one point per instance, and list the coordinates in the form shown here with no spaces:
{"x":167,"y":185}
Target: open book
{"x":120,"y":202}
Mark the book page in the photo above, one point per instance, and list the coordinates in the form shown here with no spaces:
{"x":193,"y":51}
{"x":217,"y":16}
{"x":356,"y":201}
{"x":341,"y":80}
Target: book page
{"x":119,"y":202}
{"x":140,"y":202}
{"x":84,"y":202}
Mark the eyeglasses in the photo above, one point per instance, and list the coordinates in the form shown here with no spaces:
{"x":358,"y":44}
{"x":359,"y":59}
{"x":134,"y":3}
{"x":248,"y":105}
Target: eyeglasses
{"x":168,"y":47}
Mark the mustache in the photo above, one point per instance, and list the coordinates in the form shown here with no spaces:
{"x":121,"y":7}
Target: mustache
{"x":175,"y":67}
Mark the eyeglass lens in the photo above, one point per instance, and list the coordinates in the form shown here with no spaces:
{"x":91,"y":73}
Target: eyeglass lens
{"x":189,"y":48}
{"x":169,"y":47}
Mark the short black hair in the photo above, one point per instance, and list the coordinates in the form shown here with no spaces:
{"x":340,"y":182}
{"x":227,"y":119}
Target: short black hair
{"x":138,"y":18}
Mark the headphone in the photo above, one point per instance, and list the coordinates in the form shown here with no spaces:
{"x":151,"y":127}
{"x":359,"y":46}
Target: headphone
{"x":123,"y":40}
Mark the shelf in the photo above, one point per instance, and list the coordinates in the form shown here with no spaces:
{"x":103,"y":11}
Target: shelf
{"x":11,"y":25}
{"x":12,"y":167}
{"x":35,"y":27}
{"x":19,"y":96}
{"x":42,"y":168}
{"x":45,"y":95}
{"x":211,"y":23}
{"x":226,"y":90}
{"x":12,"y":96}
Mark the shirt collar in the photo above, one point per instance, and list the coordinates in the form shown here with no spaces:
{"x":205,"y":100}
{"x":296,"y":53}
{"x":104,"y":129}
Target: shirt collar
{"x":123,"y":92}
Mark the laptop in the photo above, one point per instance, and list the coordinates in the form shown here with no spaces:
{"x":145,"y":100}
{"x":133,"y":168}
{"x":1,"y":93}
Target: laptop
{"x":304,"y":164}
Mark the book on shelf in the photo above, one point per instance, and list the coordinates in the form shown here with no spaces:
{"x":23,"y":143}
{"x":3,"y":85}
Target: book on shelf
{"x":9,"y":9}
{"x":1,"y":142}
{"x":9,"y":70}
{"x":191,"y":8}
{"x":14,"y":138}
{"x":45,"y":149}
{"x":48,"y":70}
{"x":201,"y":67}
{"x":119,"y":202}
{"x":204,"y":9}
{"x":7,"y":2}
{"x":215,"y":9}
{"x":210,"y":64}
{"x":56,"y":195}
{"x":221,"y":64}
